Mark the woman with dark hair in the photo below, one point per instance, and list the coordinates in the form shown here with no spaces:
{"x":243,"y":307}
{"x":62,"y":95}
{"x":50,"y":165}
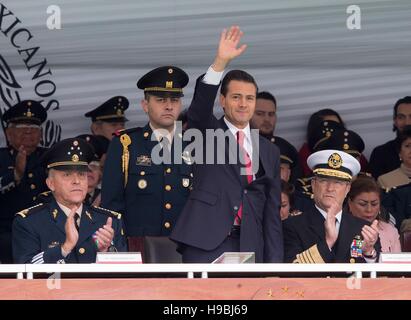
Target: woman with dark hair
{"x":364,"y":201}
{"x":287,"y":200}
{"x":402,"y":175}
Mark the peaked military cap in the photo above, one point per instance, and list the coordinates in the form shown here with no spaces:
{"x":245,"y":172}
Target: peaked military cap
{"x":68,"y":154}
{"x":98,"y":143}
{"x":27,"y":111}
{"x":323,"y":131}
{"x":334,"y":164}
{"x":344,"y":140}
{"x":287,"y":153}
{"x":111,"y":110}
{"x":164,"y":81}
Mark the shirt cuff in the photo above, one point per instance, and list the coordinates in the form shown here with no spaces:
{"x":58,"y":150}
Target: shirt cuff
{"x":212,"y":77}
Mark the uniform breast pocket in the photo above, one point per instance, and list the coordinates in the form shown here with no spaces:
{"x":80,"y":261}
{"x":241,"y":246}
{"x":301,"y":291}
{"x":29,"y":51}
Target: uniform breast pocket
{"x":143,"y":179}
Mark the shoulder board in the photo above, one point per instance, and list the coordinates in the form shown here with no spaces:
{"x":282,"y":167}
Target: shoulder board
{"x":24,"y":213}
{"x":295,"y":213}
{"x":107,"y":212}
{"x":119,"y":133}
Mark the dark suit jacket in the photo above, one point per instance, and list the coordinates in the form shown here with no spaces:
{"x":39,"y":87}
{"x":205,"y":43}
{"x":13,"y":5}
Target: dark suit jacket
{"x":307,"y":230}
{"x":384,"y":158}
{"x":219,"y":190}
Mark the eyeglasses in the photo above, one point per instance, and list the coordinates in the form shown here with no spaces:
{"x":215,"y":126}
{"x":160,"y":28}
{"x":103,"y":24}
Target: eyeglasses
{"x":324,"y":181}
{"x":26,"y":126}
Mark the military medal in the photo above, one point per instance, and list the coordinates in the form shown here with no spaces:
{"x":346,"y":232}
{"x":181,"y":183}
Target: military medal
{"x":143,"y":160}
{"x":356,"y":247}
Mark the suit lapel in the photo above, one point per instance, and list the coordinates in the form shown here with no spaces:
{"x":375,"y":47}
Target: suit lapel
{"x":87,"y":224}
{"x":316,"y":223}
{"x":232,"y":153}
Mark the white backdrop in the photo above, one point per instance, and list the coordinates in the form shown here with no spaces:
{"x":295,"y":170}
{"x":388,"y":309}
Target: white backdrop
{"x":299,"y":50}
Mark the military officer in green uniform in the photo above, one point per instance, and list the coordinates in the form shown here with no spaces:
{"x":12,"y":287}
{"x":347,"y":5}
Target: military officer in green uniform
{"x":22,"y":177}
{"x":150,"y":194}
{"x":65,"y":229}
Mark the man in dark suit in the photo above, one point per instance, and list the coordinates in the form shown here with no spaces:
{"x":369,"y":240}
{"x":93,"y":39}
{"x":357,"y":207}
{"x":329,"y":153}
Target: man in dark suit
{"x":265,"y":120}
{"x":385,"y":158}
{"x":22,"y":177}
{"x":326,"y":233}
{"x":231,"y":208}
{"x":64,"y":229}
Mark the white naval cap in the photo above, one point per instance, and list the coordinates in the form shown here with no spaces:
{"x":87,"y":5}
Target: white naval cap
{"x":334,"y":164}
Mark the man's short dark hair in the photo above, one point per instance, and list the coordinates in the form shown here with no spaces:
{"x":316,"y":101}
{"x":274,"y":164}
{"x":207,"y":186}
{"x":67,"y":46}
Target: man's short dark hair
{"x":238,"y":75}
{"x":406,"y":100}
{"x":267,"y":96}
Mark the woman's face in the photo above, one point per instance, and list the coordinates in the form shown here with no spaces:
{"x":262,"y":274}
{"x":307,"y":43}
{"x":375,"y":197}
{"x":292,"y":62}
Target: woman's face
{"x":405,"y":152}
{"x":366,"y":205}
{"x":285,"y":206}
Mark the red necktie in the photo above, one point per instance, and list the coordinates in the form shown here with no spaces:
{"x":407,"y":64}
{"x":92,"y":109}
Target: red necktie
{"x":248,"y":169}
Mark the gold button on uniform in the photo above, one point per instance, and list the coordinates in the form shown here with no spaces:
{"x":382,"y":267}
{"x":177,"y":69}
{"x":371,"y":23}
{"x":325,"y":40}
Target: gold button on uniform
{"x":142,"y":173}
{"x":168,"y":206}
{"x":30,"y":175}
{"x":146,"y":134}
{"x":168,"y":187}
{"x":81,"y":250}
{"x":167,"y":225}
{"x":352,"y":260}
{"x":33,"y":186}
{"x":168,"y":170}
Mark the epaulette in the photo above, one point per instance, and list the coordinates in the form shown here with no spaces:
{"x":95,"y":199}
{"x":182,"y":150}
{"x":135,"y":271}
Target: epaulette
{"x":120,"y":132}
{"x":107,"y":212}
{"x":24,"y":213}
{"x":45,"y":196}
{"x":308,"y":194}
{"x":295,"y":213}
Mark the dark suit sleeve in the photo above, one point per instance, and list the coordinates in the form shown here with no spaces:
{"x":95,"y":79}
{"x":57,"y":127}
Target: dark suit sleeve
{"x":375,"y":167}
{"x":200,"y":113}
{"x":272,"y":228}
{"x":27,"y":246}
{"x":112,"y":189}
{"x":119,"y":239}
{"x":296,"y":252}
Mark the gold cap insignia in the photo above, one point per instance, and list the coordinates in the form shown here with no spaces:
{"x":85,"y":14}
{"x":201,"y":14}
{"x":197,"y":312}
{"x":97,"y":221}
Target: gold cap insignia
{"x":29,"y":114}
{"x":75,"y":158}
{"x":169,"y":84}
{"x":346,"y":146}
{"x":335,"y":161}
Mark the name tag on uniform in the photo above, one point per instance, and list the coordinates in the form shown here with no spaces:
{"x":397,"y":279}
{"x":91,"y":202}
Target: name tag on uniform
{"x":143,"y":160}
